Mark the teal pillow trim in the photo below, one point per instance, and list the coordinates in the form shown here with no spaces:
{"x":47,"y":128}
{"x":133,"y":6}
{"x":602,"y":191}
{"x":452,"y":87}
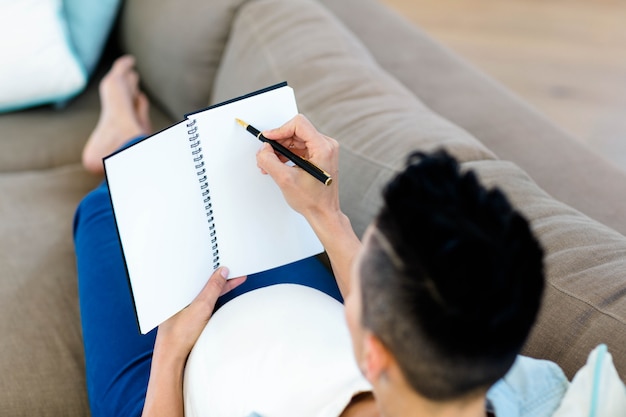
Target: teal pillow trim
{"x":89,"y":24}
{"x":597,"y":375}
{"x":62,"y":16}
{"x":63,"y":101}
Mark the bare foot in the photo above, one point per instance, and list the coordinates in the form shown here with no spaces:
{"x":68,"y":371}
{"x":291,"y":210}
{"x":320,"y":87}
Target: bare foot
{"x":124,"y":114}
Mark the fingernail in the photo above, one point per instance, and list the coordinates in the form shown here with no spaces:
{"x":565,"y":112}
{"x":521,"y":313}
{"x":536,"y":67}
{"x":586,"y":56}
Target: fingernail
{"x":224,"y":272}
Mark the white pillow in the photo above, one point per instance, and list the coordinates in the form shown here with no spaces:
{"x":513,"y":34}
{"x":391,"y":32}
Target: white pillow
{"x":37,"y":64}
{"x":596,"y":389}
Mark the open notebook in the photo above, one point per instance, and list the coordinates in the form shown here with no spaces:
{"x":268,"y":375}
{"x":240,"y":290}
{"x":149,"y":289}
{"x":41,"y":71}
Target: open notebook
{"x":191,"y":198}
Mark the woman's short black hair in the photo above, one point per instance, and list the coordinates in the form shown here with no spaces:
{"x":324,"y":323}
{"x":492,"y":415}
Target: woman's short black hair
{"x":451,"y":279}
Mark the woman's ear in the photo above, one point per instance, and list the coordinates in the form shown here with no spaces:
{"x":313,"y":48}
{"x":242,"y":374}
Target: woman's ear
{"x":376,"y":358}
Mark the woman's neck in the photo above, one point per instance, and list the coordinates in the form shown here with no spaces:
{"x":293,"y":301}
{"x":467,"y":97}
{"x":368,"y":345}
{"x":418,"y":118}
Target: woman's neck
{"x":361,"y":405}
{"x":364,"y":405}
{"x":406,"y":402}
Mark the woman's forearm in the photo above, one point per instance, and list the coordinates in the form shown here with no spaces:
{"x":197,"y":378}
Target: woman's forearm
{"x":340,"y":242}
{"x":165,"y":387}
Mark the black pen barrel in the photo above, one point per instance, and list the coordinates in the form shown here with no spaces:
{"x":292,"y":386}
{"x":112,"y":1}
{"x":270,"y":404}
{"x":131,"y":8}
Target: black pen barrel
{"x":308,"y":166}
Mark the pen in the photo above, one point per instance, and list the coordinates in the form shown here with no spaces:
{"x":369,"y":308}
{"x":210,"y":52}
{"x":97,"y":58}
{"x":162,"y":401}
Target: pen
{"x":308,"y":166}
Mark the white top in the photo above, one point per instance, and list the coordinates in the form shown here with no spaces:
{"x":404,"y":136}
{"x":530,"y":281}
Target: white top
{"x":283,"y":350}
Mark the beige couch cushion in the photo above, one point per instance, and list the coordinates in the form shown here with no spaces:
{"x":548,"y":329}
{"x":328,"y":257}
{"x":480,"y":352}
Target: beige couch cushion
{"x":178,"y":46}
{"x":585,"y":300}
{"x":46,"y":137}
{"x":341,"y":89}
{"x":41,"y":344}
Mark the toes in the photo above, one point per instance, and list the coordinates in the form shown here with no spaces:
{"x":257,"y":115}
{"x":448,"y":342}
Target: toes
{"x":143,"y":112}
{"x":132,"y":81}
{"x":122,"y":71}
{"x":123,"y":64}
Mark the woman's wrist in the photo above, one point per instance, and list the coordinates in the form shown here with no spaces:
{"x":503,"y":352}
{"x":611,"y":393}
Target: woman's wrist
{"x":169,"y":354}
{"x":334,"y":230}
{"x":328,"y":222}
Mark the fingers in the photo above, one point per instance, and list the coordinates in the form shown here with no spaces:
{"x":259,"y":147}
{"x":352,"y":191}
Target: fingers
{"x":299,"y":129}
{"x":212,"y":289}
{"x":269,"y":163}
{"x":231,"y":284}
{"x":216,"y":286}
{"x":299,"y":135}
{"x":181,"y":331}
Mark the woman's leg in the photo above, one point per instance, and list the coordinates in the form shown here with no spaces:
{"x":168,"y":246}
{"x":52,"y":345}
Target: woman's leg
{"x":117,"y":356}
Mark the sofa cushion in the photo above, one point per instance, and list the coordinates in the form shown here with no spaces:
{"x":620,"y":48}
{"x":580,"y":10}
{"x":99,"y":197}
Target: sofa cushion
{"x":178,"y":46}
{"x":585,"y":299}
{"x":341,"y":89}
{"x":37,"y":64}
{"x":42,"y":354}
{"x":47,"y":137}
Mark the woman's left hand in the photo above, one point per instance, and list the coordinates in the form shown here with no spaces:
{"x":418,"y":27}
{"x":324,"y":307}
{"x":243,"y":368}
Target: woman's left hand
{"x":175,"y":339}
{"x":177,"y":336}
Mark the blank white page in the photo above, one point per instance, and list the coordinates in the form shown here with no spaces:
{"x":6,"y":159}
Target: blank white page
{"x":162,"y":224}
{"x":256,"y":228}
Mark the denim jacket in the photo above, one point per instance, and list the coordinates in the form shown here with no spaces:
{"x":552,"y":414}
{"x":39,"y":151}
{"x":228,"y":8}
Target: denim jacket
{"x":531,"y":388}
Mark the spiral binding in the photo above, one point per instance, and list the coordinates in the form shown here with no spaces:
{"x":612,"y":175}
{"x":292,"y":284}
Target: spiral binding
{"x":198,"y":160}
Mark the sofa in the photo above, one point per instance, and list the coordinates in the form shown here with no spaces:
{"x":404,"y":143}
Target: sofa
{"x":363,"y":75}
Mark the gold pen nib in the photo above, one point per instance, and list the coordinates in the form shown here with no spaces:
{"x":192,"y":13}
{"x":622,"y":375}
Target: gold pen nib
{"x":242,"y":123}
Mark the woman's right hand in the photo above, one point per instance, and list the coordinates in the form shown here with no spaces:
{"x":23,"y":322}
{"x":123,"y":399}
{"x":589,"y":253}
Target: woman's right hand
{"x":317,"y":202}
{"x":303,"y":192}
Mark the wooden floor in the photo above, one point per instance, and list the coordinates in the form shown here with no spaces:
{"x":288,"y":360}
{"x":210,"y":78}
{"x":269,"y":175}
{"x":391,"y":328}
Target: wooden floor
{"x":565,"y":57}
